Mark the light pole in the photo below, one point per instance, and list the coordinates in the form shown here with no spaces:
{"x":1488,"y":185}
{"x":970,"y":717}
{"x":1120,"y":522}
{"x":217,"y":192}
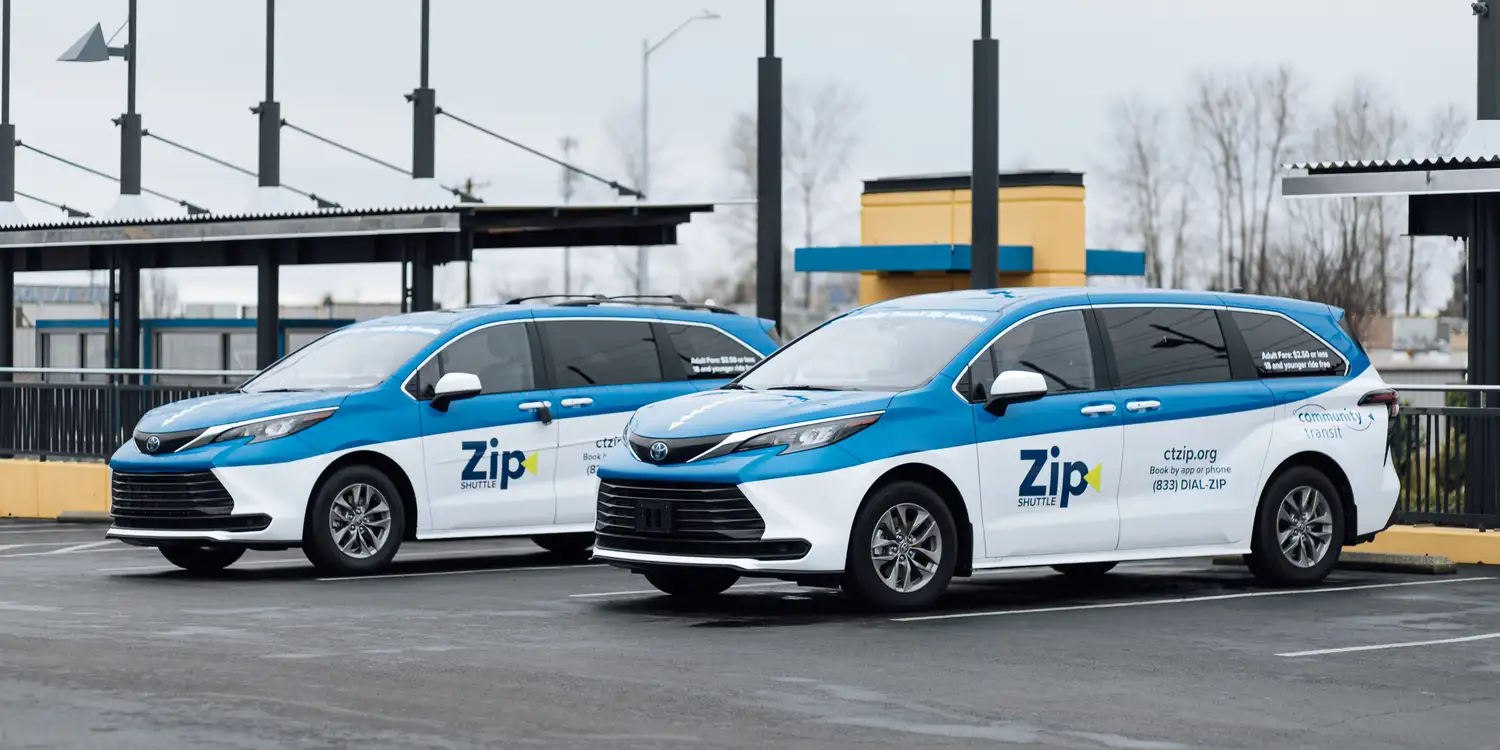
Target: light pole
{"x":93,"y":47}
{"x":768,"y":178}
{"x":9,"y":212}
{"x":984,"y":183}
{"x":642,"y":266}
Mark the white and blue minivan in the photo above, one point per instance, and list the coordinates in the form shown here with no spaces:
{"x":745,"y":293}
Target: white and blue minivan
{"x":913,"y":440}
{"x":435,"y":425}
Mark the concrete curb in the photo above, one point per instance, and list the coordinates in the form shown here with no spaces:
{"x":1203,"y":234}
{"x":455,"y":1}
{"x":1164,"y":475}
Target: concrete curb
{"x":84,"y":516}
{"x":1379,"y":562}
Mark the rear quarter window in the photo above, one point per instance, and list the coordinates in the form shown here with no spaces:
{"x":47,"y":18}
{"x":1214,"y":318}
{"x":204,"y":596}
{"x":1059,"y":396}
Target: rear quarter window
{"x":1280,"y":348}
{"x":708,"y":353}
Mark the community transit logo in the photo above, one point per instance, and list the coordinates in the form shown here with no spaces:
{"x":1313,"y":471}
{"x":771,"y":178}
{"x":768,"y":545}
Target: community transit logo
{"x":1318,"y":423}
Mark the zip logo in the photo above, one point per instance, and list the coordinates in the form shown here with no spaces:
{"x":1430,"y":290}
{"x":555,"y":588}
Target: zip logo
{"x":1064,"y":480}
{"x":490,"y":469}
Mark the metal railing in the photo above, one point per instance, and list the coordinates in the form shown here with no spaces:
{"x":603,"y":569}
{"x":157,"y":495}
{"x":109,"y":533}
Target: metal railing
{"x":1448,"y":456}
{"x":86,"y":413}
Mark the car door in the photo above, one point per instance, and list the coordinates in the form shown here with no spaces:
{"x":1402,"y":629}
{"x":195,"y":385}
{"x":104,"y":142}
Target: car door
{"x":1197,"y":427}
{"x":489,"y":458}
{"x":602,"y":370}
{"x":1048,"y":469}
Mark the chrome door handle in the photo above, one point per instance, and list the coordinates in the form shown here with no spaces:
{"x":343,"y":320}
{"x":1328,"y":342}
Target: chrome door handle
{"x":571,"y":403}
{"x":1142,"y":405}
{"x":535,"y":405}
{"x":1095,"y":409}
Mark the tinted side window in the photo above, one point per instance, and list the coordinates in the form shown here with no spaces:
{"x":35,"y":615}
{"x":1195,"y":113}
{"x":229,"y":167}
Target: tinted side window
{"x":499,"y":355}
{"x":1281,"y":348}
{"x":601,"y":352}
{"x":708,"y":354}
{"x":1056,"y":346}
{"x":1166,"y":345}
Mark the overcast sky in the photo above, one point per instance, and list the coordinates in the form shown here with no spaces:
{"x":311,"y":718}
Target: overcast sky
{"x":538,"y":71}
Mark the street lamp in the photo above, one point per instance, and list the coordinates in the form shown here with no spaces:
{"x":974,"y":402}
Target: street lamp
{"x":93,"y":47}
{"x":644,"y":186}
{"x":10,"y":214}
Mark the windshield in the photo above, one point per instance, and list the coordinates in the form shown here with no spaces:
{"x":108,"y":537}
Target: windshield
{"x":878,"y":350}
{"x":349,"y":359}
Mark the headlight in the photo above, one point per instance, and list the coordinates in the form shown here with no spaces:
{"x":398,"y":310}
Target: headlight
{"x":275,"y":427}
{"x":808,"y":436}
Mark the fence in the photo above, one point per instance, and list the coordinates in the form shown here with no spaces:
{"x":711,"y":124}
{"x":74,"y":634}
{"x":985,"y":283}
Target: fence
{"x":88,"y":413}
{"x":1446,"y":457}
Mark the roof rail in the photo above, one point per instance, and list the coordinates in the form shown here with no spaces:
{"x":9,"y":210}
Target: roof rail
{"x":646,"y":300}
{"x":519,"y":300}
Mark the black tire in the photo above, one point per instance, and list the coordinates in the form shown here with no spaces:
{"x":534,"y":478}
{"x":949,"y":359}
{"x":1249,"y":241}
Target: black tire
{"x":318,"y":539}
{"x":861,"y":578}
{"x":568,"y":546}
{"x":693,"y":584}
{"x":1267,"y":559}
{"x":202,"y":558}
{"x":1085,"y":570}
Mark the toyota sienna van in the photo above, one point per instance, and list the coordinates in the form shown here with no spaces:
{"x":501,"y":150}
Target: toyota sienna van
{"x":911,"y":441}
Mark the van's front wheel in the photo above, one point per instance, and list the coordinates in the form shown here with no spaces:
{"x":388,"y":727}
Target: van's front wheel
{"x":202,"y":558}
{"x":355,"y":523}
{"x":903,"y":549}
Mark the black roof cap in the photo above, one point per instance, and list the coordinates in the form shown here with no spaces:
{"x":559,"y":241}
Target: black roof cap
{"x":962,"y":181}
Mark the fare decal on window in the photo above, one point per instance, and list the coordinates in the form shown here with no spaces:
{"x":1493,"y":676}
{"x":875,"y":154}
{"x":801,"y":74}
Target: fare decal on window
{"x":1295,"y":360}
{"x":726,"y":365}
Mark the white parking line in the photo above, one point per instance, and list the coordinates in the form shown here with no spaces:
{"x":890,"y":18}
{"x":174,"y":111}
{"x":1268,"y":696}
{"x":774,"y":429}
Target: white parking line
{"x":641,"y":592}
{"x":300,"y":562}
{"x":89,"y":548}
{"x":1190,"y":599}
{"x":1387,"y":646}
{"x":460,"y":572}
{"x":46,"y":530}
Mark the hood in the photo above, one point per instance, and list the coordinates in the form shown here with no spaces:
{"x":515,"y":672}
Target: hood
{"x":227,"y":408}
{"x":724,"y":411}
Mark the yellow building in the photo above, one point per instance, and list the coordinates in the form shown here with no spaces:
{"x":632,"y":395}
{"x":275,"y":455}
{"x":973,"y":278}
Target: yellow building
{"x":914,"y":236}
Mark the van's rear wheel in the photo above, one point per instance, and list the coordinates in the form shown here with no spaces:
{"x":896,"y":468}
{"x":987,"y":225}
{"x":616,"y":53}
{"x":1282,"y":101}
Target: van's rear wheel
{"x":202,"y":558}
{"x":1299,"y":529}
{"x":693,"y":584}
{"x":903,"y":549}
{"x":569,"y":546}
{"x":355,"y":523}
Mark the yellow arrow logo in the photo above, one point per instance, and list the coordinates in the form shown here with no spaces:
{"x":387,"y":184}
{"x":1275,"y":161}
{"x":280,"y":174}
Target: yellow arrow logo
{"x":530,"y":463}
{"x":1093,"y":477}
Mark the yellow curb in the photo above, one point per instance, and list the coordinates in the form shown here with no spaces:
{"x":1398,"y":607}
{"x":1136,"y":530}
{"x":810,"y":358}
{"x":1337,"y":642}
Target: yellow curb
{"x":47,"y":489}
{"x":1459,"y":545}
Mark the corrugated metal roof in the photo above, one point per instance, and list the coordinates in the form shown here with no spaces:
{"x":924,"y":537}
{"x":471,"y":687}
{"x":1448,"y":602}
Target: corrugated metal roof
{"x":221,"y":217}
{"x":1397,"y":165}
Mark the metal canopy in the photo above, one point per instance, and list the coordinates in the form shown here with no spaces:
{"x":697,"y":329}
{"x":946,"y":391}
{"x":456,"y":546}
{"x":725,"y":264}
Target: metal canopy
{"x":446,"y":233}
{"x":1418,"y":177}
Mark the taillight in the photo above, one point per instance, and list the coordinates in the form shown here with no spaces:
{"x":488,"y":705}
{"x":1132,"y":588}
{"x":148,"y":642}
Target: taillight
{"x":1387,"y":396}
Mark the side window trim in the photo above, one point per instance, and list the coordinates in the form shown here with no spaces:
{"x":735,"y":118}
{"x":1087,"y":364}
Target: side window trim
{"x":1241,"y":367}
{"x":1275,"y":314}
{"x":1105,"y":375}
{"x":672,"y":370}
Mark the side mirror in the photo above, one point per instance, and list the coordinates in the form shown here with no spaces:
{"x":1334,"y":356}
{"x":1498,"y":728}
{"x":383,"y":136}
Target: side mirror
{"x":1014,"y":387}
{"x":455,"y":386}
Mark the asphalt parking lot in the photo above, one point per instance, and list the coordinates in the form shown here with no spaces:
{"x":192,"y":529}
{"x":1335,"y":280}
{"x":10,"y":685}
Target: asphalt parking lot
{"x":496,"y":644}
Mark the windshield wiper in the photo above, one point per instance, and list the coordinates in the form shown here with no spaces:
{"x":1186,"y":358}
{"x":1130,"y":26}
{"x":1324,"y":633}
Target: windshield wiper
{"x":278,"y":390}
{"x":737,"y":387}
{"x":807,"y":388}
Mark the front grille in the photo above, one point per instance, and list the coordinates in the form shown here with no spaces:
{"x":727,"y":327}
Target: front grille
{"x":679,"y":450}
{"x":707,"y":520}
{"x":170,"y":501}
{"x":167,"y":442}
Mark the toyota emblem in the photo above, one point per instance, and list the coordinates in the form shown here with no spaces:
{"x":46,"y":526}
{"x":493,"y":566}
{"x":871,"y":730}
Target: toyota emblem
{"x":153,"y":444}
{"x":658,"y":451}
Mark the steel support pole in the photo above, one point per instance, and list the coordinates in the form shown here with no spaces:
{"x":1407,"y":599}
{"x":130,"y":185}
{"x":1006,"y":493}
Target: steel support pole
{"x":130,"y":122}
{"x":1489,"y":62}
{"x":8,"y":306}
{"x":424,"y":111}
{"x":268,"y":306}
{"x":984,"y":262}
{"x":421,"y":276}
{"x":642,"y":262}
{"x":270,"y":110}
{"x":768,"y":179}
{"x":130,"y":312}
{"x":7,"y":130}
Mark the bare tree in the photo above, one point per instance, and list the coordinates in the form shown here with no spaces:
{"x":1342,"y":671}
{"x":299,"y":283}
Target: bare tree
{"x":568,"y":186}
{"x":624,"y":142}
{"x":159,"y":297}
{"x":1444,"y":128}
{"x":820,"y":139}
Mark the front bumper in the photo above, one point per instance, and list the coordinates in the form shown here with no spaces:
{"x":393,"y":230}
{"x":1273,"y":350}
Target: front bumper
{"x":167,"y":499}
{"x":807,"y":521}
